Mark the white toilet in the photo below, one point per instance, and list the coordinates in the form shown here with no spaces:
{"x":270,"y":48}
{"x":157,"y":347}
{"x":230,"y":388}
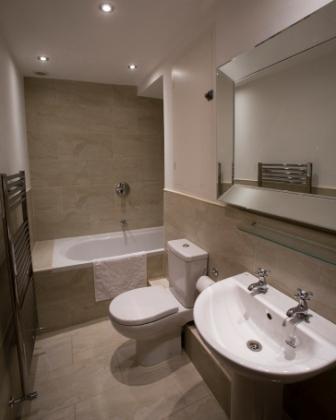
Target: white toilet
{"x":154,"y":316}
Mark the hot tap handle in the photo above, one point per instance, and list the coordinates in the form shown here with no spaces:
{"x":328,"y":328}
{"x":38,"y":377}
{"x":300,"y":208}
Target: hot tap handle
{"x":303,"y":295}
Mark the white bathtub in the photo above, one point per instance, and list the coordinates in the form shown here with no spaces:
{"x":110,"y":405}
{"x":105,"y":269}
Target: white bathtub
{"x":83,"y":250}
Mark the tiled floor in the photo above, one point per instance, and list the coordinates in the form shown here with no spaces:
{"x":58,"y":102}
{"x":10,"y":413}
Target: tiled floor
{"x":89,"y":373}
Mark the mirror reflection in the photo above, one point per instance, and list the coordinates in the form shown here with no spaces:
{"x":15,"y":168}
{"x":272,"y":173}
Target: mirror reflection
{"x":276,"y":110}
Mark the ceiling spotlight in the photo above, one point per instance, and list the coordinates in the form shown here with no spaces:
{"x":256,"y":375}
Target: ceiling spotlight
{"x":43,"y":58}
{"x":106,"y":7}
{"x":132,"y":66}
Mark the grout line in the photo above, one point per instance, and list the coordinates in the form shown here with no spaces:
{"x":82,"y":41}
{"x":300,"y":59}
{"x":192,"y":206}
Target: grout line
{"x":195,"y":402}
{"x":72,"y":350}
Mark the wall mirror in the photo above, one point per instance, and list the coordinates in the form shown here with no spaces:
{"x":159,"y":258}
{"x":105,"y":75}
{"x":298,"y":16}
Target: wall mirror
{"x":276,"y":124}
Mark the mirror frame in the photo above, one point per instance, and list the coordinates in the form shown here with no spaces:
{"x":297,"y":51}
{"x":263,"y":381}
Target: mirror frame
{"x":313,"y":210}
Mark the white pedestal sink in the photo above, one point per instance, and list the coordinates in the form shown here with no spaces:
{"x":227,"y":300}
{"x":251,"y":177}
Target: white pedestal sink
{"x":247,"y":331}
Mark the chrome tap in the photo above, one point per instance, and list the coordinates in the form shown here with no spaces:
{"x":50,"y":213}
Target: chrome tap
{"x":300,"y":312}
{"x":261,"y":285}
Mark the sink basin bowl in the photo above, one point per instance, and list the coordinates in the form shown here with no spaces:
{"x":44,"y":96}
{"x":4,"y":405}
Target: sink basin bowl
{"x":247,"y":331}
{"x":228,"y":316}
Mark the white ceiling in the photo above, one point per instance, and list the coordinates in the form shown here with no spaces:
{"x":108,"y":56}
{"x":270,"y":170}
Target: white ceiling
{"x":85,"y":44}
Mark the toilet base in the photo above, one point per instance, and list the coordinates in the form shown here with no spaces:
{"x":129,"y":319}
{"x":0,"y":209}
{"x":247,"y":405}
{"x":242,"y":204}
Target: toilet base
{"x":151,"y":352}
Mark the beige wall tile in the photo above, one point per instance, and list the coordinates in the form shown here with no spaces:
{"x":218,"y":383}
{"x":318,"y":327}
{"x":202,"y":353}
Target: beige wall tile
{"x":324,"y":300}
{"x":46,"y":199}
{"x":215,"y":228}
{"x":84,"y":138}
{"x":155,"y":266}
{"x":66,"y":298}
{"x":42,"y":255}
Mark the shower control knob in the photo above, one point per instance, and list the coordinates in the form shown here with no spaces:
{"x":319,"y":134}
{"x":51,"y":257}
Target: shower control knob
{"x":122,"y":189}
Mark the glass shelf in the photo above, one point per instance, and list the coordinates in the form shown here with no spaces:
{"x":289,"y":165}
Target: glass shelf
{"x":305,"y":246}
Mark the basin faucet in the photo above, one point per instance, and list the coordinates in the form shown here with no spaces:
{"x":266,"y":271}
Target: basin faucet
{"x":300,"y":312}
{"x":261,"y":285}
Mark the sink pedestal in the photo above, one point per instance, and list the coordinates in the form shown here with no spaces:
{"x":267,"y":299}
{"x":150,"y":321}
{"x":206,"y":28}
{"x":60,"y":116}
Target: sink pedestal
{"x":255,"y":400}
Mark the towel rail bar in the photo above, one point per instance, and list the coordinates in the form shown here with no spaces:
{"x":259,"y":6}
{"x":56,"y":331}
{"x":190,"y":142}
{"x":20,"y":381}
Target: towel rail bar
{"x":297,"y":176}
{"x":17,"y":240}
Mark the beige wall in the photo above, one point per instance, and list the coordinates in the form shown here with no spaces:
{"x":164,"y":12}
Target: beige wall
{"x":13,"y":144}
{"x":13,"y":157}
{"x":287,"y":114}
{"x":239,"y":25}
{"x":215,"y":228}
{"x":83,"y":139}
{"x":193,"y":120}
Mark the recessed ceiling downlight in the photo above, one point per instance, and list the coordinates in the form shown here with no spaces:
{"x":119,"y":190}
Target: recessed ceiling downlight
{"x":132,"y":67}
{"x":106,"y":7}
{"x":43,"y":58}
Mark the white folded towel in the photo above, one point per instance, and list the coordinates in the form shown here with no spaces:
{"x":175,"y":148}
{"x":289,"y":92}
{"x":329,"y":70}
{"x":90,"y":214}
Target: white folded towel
{"x":119,"y":274}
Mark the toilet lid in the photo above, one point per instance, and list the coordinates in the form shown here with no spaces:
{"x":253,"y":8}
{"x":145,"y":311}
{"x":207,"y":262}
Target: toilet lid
{"x":143,"y":305}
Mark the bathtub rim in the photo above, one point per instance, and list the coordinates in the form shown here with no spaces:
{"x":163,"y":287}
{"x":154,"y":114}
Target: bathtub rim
{"x":78,"y":264}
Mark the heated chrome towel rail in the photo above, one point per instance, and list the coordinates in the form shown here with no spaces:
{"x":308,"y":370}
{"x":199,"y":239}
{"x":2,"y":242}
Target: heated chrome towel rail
{"x":17,"y":240}
{"x":289,"y":176}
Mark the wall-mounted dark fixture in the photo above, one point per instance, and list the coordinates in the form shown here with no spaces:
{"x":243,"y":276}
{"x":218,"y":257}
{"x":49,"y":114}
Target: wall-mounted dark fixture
{"x":209,"y":95}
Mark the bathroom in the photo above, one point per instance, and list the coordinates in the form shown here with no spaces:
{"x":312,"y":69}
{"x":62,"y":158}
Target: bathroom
{"x":147,"y":238}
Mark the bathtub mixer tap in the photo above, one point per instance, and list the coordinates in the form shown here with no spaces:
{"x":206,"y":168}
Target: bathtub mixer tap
{"x":122,"y":189}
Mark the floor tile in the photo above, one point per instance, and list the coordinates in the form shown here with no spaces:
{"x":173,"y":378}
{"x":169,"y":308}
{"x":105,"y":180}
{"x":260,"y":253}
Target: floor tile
{"x":48,"y":358}
{"x":90,"y":373}
{"x":67,"y":413}
{"x":92,"y":342}
{"x":133,"y":374}
{"x":205,"y":408}
{"x":108,"y":406}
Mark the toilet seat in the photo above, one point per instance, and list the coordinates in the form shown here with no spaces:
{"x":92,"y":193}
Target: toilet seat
{"x":143,"y":305}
